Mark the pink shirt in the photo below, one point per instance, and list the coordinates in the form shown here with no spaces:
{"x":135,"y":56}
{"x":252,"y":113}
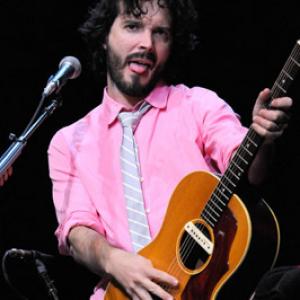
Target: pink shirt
{"x":186,"y":130}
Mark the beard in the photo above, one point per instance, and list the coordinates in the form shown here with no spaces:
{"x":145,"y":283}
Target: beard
{"x":133,"y":87}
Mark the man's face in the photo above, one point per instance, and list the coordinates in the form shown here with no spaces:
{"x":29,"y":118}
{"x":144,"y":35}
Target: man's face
{"x":138,"y":49}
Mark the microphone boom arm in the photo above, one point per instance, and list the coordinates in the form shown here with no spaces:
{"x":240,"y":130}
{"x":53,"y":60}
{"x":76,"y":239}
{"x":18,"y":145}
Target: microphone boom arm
{"x":15,"y":149}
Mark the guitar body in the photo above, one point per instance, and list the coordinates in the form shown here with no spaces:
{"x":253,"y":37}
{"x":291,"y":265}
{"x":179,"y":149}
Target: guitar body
{"x":219,"y":261}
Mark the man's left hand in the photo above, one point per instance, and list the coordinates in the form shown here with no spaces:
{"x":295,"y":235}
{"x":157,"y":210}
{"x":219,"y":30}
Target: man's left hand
{"x":270,"y":122}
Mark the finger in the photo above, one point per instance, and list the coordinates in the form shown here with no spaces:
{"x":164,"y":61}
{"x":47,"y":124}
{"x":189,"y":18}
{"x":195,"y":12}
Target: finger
{"x":163,"y":277}
{"x":268,"y":135}
{"x":263,"y":97}
{"x":283,"y":103}
{"x":141,"y":293}
{"x":157,"y":290}
{"x":276,"y":116}
{"x":266,"y":125}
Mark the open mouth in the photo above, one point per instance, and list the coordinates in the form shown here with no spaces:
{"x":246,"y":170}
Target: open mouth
{"x":139,"y":65}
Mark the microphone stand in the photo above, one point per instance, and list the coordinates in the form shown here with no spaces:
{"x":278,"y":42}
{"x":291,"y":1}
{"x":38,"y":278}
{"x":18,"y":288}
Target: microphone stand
{"x":15,"y":149}
{"x":41,"y":268}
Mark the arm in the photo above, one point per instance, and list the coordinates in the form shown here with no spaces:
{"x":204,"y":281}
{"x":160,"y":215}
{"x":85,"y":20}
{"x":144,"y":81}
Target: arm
{"x":134,"y":272}
{"x":270,"y":124}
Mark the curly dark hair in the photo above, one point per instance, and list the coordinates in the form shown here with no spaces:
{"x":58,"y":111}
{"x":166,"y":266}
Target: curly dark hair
{"x":101,"y":17}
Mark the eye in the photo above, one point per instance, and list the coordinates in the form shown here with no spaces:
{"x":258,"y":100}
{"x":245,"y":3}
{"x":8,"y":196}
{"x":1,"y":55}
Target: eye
{"x":162,"y":33}
{"x":132,"y":26}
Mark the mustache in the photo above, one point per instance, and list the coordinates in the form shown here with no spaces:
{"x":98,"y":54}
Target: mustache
{"x":143,"y":55}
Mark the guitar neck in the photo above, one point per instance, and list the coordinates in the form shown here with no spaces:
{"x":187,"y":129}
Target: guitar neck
{"x":246,"y":152}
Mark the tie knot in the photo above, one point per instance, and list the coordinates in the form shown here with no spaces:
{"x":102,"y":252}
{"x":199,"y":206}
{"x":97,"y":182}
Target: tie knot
{"x":131,"y":119}
{"x":128,"y":119}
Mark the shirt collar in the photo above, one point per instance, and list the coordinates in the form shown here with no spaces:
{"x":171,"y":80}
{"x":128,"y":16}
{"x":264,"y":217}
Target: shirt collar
{"x":157,"y":98}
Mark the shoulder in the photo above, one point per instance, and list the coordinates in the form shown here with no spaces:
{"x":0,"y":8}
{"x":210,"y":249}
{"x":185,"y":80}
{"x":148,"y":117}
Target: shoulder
{"x":193,"y":94}
{"x":197,"y":97}
{"x":72,"y":134}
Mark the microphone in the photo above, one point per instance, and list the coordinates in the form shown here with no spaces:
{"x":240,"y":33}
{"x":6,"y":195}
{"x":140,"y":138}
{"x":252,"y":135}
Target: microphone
{"x":29,"y":254}
{"x":69,"y":68}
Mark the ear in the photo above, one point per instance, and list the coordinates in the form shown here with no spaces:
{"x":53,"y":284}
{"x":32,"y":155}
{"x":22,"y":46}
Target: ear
{"x":104,"y":45}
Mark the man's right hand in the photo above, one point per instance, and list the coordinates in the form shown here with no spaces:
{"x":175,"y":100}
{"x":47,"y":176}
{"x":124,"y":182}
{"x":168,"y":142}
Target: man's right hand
{"x":138,"y":276}
{"x":134,"y":272}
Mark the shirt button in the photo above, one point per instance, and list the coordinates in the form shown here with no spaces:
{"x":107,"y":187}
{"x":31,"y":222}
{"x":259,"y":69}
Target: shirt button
{"x":142,"y":179}
{"x":147,"y":210}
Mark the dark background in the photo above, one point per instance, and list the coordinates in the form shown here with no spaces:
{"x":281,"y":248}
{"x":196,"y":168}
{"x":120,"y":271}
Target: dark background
{"x":243,"y":47}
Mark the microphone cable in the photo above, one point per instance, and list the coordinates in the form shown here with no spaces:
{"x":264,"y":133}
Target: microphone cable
{"x":6,"y":276}
{"x":37,"y":257}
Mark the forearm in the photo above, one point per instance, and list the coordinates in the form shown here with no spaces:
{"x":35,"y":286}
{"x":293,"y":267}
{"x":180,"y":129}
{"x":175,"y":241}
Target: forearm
{"x":90,"y":249}
{"x":260,"y":167}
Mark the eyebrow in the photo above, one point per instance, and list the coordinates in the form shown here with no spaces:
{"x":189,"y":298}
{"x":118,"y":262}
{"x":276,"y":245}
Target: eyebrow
{"x":130,"y":18}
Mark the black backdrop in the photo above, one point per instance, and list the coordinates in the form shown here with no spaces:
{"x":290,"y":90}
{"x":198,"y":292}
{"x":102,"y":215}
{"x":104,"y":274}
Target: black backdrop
{"x":244,"y":45}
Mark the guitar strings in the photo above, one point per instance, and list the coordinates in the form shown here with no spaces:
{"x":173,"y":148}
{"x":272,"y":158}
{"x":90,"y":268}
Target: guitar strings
{"x":288,"y":72}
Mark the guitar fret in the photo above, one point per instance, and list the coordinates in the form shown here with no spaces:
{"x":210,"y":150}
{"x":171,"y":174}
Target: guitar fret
{"x":287,"y":74}
{"x":247,"y":150}
{"x":220,"y":200}
{"x":207,"y":212}
{"x":216,"y":213}
{"x":222,"y":192}
{"x":250,"y":140}
{"x":280,"y":87}
{"x":231,"y":182}
{"x":226,"y":187}
{"x":216,"y":205}
{"x":208,"y":220}
{"x":242,"y":158}
{"x":283,"y":81}
{"x":295,"y":62}
{"x":212,"y":207}
{"x":233,"y":173}
{"x":237,"y":166}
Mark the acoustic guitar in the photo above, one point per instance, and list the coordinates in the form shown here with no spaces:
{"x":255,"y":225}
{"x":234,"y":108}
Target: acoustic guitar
{"x":215,"y":244}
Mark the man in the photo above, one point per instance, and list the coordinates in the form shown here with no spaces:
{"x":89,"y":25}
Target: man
{"x":184,"y":130}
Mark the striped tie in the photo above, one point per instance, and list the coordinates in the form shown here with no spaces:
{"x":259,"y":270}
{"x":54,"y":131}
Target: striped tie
{"x":137,"y":219}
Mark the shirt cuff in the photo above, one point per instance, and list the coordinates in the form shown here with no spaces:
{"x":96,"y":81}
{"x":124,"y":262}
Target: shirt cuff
{"x":78,"y":218}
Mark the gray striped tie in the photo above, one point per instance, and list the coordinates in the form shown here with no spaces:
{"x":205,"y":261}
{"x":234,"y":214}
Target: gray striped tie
{"x":137,"y":219}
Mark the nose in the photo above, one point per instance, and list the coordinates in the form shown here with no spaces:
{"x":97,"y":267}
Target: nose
{"x":146,"y":41}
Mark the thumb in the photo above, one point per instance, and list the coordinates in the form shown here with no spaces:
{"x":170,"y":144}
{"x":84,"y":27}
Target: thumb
{"x":261,"y":101}
{"x":263,"y":98}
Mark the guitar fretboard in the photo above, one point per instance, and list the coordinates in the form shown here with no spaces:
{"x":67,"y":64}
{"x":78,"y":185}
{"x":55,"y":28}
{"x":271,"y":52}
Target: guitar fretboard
{"x":249,"y":146}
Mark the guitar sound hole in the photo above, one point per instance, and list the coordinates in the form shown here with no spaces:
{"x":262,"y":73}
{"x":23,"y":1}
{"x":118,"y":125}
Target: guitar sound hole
{"x":192,"y":255}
